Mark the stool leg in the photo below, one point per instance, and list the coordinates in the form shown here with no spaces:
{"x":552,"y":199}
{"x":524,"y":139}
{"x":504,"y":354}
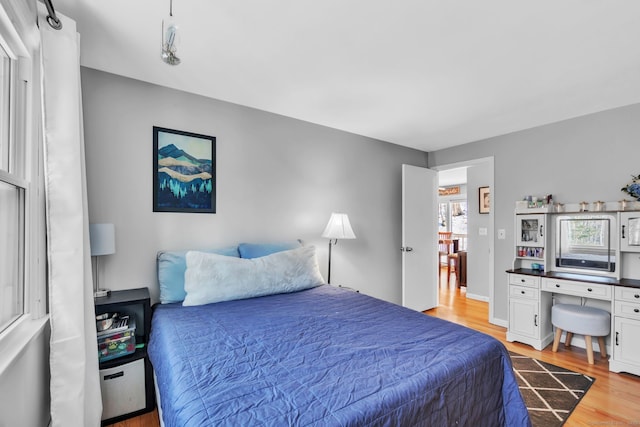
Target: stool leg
{"x":603,"y":347}
{"x":556,"y":340}
{"x":567,"y":341}
{"x":589,"y":346}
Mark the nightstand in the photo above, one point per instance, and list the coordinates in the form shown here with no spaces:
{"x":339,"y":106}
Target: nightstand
{"x":127,"y":381}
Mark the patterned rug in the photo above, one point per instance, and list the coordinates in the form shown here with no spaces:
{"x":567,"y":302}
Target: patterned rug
{"x":550,"y":392}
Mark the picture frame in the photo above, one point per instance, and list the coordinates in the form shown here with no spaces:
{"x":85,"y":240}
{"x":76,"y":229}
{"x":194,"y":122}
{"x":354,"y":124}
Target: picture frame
{"x":484,"y":200}
{"x":184,"y":171}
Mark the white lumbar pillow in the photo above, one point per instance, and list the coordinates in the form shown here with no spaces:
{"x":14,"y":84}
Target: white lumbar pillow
{"x":213,"y":278}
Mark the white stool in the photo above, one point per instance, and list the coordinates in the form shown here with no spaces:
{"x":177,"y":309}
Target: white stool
{"x":582,"y":320}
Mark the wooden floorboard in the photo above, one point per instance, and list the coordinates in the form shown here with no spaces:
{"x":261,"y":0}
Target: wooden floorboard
{"x":613,"y":400}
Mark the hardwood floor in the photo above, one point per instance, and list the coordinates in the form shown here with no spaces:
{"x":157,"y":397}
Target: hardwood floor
{"x":613,"y":400}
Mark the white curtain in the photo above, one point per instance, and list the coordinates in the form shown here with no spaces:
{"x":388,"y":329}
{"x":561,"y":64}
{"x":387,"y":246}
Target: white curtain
{"x":75,"y":384}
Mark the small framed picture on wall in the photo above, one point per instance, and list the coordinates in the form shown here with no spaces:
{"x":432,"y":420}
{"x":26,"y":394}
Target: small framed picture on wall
{"x":184,"y":171}
{"x":484,"y":200}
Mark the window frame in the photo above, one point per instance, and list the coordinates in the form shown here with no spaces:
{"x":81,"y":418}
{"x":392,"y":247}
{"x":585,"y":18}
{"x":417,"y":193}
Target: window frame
{"x":24,"y":169}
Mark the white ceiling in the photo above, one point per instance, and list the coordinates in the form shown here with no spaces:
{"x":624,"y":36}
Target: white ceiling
{"x":427,"y":74}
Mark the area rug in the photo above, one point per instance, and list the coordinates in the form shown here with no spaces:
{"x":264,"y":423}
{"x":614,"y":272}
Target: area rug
{"x":550,"y":392}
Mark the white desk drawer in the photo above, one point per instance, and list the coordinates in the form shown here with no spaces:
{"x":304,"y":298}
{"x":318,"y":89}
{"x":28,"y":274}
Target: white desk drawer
{"x":581,"y":289}
{"x":627,"y":309}
{"x":627,"y":294}
{"x":524,"y":280}
{"x":516,"y":291}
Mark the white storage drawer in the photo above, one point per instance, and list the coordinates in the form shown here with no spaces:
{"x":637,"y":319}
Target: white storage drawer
{"x":524,"y":280}
{"x":581,"y":289}
{"x":627,"y":309}
{"x":516,"y":291}
{"x":123,"y":389}
{"x":627,"y":294}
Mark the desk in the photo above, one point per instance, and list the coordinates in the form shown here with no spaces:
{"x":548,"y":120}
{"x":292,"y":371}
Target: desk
{"x":532,"y":293}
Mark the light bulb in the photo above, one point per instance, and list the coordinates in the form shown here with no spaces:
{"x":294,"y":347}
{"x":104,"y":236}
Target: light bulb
{"x":170,"y":41}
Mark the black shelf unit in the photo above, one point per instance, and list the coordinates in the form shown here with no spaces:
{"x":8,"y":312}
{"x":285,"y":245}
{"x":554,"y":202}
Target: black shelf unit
{"x":137,"y":303}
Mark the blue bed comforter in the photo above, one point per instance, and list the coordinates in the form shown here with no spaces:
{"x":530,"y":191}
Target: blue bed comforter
{"x":329,"y":357}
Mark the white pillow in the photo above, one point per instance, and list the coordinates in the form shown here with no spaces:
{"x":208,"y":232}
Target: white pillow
{"x":213,"y":278}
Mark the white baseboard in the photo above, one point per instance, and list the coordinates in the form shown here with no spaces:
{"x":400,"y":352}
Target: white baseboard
{"x":499,"y":322}
{"x":477,"y":297}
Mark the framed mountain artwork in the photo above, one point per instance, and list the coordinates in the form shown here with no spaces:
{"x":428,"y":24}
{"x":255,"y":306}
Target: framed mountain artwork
{"x":184,"y":171}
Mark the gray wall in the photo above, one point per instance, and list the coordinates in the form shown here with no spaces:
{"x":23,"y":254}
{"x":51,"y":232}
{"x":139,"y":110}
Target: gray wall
{"x":278,"y":179}
{"x":479,"y":273}
{"x":24,"y":384}
{"x":587,"y":158}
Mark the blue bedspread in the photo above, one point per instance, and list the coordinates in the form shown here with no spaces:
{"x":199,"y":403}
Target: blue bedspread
{"x":329,"y":357}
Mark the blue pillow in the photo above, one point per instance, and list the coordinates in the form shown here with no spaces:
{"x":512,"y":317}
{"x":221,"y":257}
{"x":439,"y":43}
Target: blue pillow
{"x":257,"y":250}
{"x":171,"y":267}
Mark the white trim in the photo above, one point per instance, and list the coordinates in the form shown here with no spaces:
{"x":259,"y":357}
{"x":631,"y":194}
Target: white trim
{"x":10,"y":40}
{"x":16,"y":338}
{"x":478,"y":297}
{"x":499,"y":322}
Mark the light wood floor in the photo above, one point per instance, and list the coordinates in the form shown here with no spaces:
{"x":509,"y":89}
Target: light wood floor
{"x":613,"y":400}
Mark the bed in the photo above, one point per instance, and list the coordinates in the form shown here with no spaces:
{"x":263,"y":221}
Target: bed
{"x":327,"y":356}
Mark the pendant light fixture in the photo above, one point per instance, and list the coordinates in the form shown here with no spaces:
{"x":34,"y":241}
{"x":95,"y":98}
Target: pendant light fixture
{"x":170,"y":38}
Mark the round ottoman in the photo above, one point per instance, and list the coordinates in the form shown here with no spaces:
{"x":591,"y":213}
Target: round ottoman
{"x":582,"y":320}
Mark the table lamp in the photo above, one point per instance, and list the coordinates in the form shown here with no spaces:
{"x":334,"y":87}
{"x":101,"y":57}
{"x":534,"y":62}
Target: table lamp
{"x":103,"y":242}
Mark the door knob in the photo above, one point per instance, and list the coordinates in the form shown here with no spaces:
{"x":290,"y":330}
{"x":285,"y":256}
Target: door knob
{"x":406,"y":248}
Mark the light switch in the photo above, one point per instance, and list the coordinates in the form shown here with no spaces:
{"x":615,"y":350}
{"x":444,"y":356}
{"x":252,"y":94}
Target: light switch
{"x":482,"y":231}
{"x":502,"y":234}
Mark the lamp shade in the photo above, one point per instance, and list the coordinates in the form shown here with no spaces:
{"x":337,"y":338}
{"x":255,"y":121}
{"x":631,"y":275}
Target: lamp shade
{"x":339,"y":227}
{"x":103,"y":239}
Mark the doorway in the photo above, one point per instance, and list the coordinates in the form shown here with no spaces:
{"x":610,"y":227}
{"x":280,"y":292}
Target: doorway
{"x":452,"y":225}
{"x":479,"y":243}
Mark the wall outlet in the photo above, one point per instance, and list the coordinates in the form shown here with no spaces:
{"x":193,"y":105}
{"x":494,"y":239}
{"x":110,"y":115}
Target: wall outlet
{"x":502,"y":234}
{"x":482,"y":231}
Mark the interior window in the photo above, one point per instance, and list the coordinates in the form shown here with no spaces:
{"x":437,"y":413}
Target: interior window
{"x":452,"y":216}
{"x":13,"y":188}
{"x":459,"y":217}
{"x":5,"y":99}
{"x":11,"y":245}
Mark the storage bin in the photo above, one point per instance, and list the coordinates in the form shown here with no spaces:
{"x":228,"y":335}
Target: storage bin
{"x":118,"y":343}
{"x":123,"y":389}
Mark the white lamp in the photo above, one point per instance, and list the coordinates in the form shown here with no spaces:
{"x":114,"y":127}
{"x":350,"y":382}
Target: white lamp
{"x":103,"y":242}
{"x":338,"y":227}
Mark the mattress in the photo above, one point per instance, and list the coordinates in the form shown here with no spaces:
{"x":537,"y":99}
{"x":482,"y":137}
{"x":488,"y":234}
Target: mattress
{"x":327,"y":356}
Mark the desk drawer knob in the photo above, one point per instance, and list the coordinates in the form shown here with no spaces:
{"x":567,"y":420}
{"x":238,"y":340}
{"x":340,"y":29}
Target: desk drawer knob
{"x":636,"y":310}
{"x":636,"y":296}
{"x":590,"y":290}
{"x":522,"y":292}
{"x":557,"y":285}
{"x":522,"y":280}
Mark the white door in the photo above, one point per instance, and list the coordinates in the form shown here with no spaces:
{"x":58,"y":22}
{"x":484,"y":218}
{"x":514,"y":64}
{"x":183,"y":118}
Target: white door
{"x":419,"y":238}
